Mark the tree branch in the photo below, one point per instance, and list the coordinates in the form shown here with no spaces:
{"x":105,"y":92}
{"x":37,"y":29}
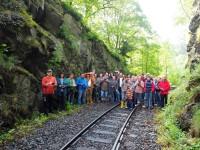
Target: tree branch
{"x":106,"y":7}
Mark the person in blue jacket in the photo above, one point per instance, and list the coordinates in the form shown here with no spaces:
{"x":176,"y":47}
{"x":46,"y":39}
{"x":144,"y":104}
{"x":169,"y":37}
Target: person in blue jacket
{"x":82,"y":85}
{"x":62,"y":91}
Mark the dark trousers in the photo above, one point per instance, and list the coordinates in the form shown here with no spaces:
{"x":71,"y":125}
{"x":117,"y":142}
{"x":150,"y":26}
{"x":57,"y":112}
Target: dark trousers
{"x":133,"y":99}
{"x":71,"y":94}
{"x":164,"y":100}
{"x":138,"y":98}
{"x":120,"y":93}
{"x":153,"y":99}
{"x":157,"y":98}
{"x":96,"y":93}
{"x":143,"y":96}
{"x":61,"y":101}
{"x":48,"y":103}
{"x":130,"y":104}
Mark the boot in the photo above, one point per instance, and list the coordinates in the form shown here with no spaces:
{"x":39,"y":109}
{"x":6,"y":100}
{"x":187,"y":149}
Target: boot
{"x":125,"y":104}
{"x":122,"y":104}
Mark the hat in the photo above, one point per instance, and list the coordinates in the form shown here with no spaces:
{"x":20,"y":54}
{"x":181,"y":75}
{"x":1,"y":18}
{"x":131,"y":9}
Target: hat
{"x":49,"y":70}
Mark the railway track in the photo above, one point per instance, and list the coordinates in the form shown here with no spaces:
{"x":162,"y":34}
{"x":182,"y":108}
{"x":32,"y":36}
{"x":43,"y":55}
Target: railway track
{"x":140,"y":133}
{"x":103,"y":133}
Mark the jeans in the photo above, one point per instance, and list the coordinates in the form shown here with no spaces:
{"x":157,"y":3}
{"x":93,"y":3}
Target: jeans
{"x":130,"y":104}
{"x":157,"y":98}
{"x":104,"y":94}
{"x":138,"y":98}
{"x":148,"y":100}
{"x":123,"y":95}
{"x":117,"y":96}
{"x":81,"y":96}
{"x":114,"y":95}
{"x":143,"y":96}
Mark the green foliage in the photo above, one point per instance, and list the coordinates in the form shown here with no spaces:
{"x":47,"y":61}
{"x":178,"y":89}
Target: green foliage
{"x":126,"y":31}
{"x":195,"y":78}
{"x":7,"y":62}
{"x":196,"y":121}
{"x":68,"y":9}
{"x":66,"y":34}
{"x":125,"y":48}
{"x":57,"y":57}
{"x":170,"y":136}
{"x":185,"y":11}
{"x":25,"y":127}
{"x":28,"y":19}
{"x":91,"y":36}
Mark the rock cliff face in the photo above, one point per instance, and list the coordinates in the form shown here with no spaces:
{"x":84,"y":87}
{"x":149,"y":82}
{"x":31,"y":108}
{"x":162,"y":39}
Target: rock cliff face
{"x":39,"y":34}
{"x":186,"y":119}
{"x":193,"y":47}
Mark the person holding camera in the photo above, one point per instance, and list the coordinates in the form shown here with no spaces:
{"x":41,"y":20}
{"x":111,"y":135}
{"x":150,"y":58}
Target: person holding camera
{"x":139,"y":88}
{"x":62,"y":91}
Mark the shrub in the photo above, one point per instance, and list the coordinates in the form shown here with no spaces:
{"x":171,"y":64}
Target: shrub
{"x":66,"y":34}
{"x":170,"y":135}
{"x":92,"y":36}
{"x":195,"y":130}
{"x":57,"y":57}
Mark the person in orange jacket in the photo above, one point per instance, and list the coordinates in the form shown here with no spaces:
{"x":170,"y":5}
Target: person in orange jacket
{"x":89,"y":91}
{"x":49,"y":84}
{"x":164,"y":87}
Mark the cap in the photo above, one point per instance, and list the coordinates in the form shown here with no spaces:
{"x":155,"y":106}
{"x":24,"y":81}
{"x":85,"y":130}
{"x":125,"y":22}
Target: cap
{"x":49,"y":70}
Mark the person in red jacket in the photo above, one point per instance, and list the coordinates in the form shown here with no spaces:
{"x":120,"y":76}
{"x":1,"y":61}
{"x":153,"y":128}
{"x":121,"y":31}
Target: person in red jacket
{"x":164,"y":87}
{"x":49,"y":84}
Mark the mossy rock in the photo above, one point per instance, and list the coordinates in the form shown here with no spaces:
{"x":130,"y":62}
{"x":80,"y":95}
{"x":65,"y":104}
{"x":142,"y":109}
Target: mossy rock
{"x":31,"y":30}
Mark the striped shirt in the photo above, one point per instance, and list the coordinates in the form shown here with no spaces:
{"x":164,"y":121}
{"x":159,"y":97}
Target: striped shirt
{"x":129,"y":94}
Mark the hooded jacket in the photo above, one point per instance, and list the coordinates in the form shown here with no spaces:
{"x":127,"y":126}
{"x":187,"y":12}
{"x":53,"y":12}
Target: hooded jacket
{"x":164,"y":87}
{"x":48,"y":85}
{"x":82,"y":83}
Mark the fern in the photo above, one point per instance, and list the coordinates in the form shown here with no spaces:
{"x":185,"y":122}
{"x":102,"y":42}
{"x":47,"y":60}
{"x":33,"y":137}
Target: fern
{"x":6,"y":62}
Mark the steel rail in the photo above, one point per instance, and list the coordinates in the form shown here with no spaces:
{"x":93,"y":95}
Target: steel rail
{"x":78,"y":135}
{"x":122,"y":130}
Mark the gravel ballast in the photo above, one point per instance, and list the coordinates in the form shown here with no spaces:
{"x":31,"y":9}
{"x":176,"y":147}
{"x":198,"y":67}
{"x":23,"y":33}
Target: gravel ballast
{"x":140,"y":133}
{"x":103,"y":134}
{"x":56,"y":133}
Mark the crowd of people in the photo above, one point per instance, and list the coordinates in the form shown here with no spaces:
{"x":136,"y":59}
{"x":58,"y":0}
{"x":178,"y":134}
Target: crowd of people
{"x":115,"y":87}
